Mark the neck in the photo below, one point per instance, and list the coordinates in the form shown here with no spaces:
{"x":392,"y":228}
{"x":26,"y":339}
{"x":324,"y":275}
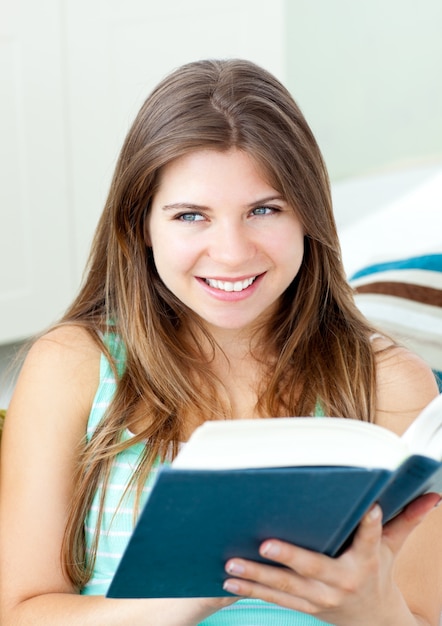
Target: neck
{"x":234,"y":343}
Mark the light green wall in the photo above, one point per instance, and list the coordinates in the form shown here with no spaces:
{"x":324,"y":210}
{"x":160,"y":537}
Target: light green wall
{"x":367,"y":74}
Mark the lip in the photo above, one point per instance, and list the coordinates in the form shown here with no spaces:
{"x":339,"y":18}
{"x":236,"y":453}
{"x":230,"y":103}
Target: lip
{"x":231,"y":279}
{"x":231,"y":296}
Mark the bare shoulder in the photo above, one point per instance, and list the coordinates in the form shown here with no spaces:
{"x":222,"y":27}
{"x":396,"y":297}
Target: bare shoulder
{"x":64,"y":341}
{"x":43,"y":438}
{"x":60,"y":369}
{"x":67,"y":346}
{"x":405,"y":385}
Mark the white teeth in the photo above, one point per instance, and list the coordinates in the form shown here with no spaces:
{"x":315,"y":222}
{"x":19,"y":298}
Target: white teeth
{"x":226,"y":285}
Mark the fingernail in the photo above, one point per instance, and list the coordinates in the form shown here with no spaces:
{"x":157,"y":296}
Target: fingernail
{"x":270,"y":549}
{"x":235,"y":568}
{"x":230,"y":586}
{"x":375,"y":513}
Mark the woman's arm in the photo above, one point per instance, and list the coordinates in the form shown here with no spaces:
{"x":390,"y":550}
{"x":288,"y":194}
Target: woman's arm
{"x":405,"y":386}
{"x":45,"y":426}
{"x":388,"y":577}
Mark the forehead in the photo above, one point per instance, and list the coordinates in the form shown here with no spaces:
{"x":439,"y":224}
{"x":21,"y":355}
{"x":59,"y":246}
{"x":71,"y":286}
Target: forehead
{"x":213,"y":171}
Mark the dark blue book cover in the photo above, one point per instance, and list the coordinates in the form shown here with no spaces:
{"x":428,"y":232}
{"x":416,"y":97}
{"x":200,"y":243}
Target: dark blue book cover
{"x":195,"y":520}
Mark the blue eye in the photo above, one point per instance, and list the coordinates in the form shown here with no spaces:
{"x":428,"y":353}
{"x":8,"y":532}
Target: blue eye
{"x":190,"y":217}
{"x":264,"y":210}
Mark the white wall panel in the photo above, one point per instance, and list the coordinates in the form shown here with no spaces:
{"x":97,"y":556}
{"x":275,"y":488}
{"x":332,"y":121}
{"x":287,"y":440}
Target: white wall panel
{"x":35,"y":273}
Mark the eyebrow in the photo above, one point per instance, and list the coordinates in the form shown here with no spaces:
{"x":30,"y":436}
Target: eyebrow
{"x":189,"y":206}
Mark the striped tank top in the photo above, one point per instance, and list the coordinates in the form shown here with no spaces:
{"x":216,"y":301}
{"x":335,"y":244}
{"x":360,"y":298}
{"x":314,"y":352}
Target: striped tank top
{"x":117,"y":521}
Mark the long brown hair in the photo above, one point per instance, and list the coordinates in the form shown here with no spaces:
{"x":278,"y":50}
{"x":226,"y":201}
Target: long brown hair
{"x":318,"y":344}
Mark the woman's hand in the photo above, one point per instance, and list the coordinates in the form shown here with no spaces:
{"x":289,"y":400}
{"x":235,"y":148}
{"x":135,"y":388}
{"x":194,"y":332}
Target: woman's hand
{"x":355,"y":588}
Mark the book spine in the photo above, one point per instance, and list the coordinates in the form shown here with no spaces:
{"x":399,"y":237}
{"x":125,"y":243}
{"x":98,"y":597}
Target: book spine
{"x":343,"y":534}
{"x":417,"y":475}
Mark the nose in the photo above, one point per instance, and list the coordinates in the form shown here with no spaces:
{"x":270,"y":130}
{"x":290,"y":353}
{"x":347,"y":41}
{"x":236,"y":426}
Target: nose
{"x":232,"y":244}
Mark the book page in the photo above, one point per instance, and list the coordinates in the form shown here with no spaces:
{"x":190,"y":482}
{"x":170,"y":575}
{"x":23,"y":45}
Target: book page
{"x":424,"y":435}
{"x":287,"y":442}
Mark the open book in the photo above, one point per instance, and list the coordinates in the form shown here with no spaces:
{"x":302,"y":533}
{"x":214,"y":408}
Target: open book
{"x":308,"y":481}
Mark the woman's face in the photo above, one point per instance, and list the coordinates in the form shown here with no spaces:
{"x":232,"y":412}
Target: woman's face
{"x":223,"y":240}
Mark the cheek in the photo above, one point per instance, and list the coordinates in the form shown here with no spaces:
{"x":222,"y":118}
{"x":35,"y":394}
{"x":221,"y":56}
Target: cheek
{"x":290,"y":249}
{"x":172,"y":256}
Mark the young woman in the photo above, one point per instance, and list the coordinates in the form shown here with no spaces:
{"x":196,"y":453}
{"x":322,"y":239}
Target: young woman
{"x":214,"y":290}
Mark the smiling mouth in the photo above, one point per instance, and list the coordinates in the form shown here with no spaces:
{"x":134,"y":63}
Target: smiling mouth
{"x":226,"y":285}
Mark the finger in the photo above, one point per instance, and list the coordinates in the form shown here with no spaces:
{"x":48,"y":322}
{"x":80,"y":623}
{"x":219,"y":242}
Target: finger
{"x":278,"y":585}
{"x":369,"y":533}
{"x":302,"y":564}
{"x":397,"y":531}
{"x":250,"y":589}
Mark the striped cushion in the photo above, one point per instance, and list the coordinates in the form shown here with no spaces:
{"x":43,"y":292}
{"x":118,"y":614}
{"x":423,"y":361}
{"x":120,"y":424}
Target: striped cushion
{"x":404,"y":298}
